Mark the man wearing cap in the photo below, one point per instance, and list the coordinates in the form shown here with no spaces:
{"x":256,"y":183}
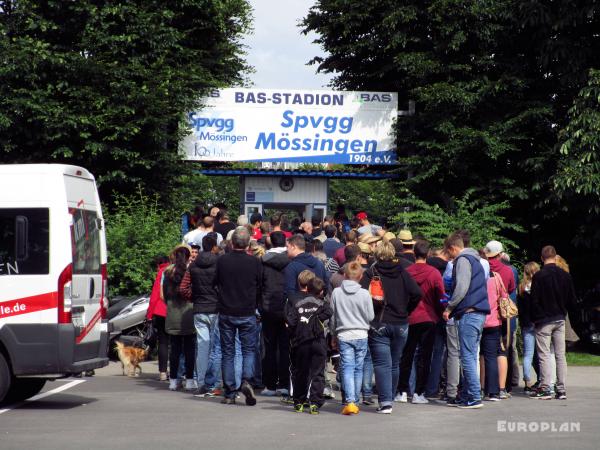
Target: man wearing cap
{"x":408,"y":244}
{"x":366,"y":226}
{"x":493,"y":251}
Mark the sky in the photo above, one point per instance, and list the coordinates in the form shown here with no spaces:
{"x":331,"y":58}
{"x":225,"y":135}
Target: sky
{"x":278,"y":51}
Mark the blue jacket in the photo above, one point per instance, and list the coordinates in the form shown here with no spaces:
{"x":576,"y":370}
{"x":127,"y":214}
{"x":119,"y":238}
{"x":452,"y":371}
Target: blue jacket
{"x":304,"y":261}
{"x":476,"y":296}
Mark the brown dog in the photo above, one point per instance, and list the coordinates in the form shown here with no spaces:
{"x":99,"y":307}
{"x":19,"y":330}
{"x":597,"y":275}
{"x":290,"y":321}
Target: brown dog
{"x":130,"y":357}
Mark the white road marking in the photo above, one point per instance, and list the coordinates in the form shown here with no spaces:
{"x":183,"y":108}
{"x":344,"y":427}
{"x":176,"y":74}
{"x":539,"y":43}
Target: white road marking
{"x":57,"y":390}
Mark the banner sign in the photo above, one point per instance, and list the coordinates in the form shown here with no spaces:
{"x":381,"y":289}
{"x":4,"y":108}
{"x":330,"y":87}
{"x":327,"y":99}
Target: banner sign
{"x":269,"y":125}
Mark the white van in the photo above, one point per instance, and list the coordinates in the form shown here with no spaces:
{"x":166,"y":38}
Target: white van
{"x":52,"y":277}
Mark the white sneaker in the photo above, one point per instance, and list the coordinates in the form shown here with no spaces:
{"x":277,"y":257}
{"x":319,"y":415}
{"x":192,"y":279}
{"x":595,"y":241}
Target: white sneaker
{"x":283,"y":392}
{"x":419,"y":399}
{"x":190,"y":384}
{"x":268,"y":392}
{"x":174,"y":384}
{"x":401,"y":398}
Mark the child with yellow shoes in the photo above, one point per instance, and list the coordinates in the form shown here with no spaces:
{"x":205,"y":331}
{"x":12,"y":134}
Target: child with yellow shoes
{"x":352,"y":313}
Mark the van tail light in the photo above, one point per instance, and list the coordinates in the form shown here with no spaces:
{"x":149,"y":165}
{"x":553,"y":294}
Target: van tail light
{"x":104,"y":296}
{"x":64,"y":294}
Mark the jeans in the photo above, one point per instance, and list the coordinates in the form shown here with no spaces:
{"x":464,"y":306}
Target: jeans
{"x":437,"y":357}
{"x":352,"y":355}
{"x":214,"y":375}
{"x":548,"y":334}
{"x":204,"y":324}
{"x":490,"y":342}
{"x":276,"y":361}
{"x":258,"y":356}
{"x":386,"y":345}
{"x":470,"y":327}
{"x":228,"y":327}
{"x":528,"y":351}
{"x":367,"y":381}
{"x":453,"y":361}
{"x":423,"y":336}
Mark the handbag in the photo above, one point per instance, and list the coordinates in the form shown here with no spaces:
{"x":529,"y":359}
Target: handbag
{"x":376,"y":287}
{"x":507,"y":309}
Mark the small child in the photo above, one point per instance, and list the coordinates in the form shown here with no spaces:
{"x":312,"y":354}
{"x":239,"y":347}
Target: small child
{"x":352,"y":314}
{"x":308,"y":353}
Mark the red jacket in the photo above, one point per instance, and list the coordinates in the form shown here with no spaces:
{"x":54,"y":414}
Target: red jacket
{"x":505,"y":272}
{"x":430,"y":281}
{"x":157,"y":306}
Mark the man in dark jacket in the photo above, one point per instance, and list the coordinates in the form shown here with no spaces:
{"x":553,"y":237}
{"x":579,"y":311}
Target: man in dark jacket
{"x":238,"y":278}
{"x":197,"y":285}
{"x":300,"y":260}
{"x":552,"y":294}
{"x":276,"y":361}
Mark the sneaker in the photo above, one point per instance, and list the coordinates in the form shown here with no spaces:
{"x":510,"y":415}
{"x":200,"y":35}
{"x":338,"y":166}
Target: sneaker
{"x":216,"y":392}
{"x":528,"y":389}
{"x":561,"y":395}
{"x":328,"y":393}
{"x":163,"y":376}
{"x":419,"y":399}
{"x":204,"y":392}
{"x":190,"y":384}
{"x":268,"y":392}
{"x":314,"y":410}
{"x":471,"y":405}
{"x":541,"y":395}
{"x":350,"y":409}
{"x":286,"y":399}
{"x":174,"y":384}
{"x":452,"y":401}
{"x":299,"y":408}
{"x":401,"y":397}
{"x":248,"y":393}
{"x":228,"y":401}
{"x":387,"y":409}
{"x":493,"y":398}
{"x":368,"y":400}
{"x":504,"y":395}
{"x":282,"y":391}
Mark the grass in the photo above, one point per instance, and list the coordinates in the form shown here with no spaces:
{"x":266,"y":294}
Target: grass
{"x":582,"y":359}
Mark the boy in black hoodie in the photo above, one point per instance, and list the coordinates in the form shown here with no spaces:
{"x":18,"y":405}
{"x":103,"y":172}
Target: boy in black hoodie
{"x":305,"y":317}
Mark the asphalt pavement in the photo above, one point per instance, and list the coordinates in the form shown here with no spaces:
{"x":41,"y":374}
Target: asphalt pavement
{"x":110,"y":411}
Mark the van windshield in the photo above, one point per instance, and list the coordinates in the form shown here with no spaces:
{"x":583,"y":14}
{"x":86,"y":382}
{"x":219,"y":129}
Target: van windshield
{"x":24,"y":241}
{"x":85,"y":239}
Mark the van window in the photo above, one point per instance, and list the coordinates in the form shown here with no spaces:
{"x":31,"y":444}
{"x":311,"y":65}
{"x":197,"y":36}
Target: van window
{"x":85,"y":237}
{"x":24,"y":241}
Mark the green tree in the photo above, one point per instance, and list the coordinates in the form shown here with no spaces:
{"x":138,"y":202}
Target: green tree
{"x":579,"y":166}
{"x":138,"y":230}
{"x":106,"y":84}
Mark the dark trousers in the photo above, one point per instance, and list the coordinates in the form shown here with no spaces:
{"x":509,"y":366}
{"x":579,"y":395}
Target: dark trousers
{"x":423,"y":336}
{"x":490,"y":342}
{"x":158,"y":323}
{"x":187,"y":345}
{"x":276,"y":360}
{"x":309,"y":372}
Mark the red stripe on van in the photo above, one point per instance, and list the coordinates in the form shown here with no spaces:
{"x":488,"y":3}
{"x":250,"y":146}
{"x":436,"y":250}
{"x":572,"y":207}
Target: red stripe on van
{"x":28,"y":305}
{"x":89,"y":326}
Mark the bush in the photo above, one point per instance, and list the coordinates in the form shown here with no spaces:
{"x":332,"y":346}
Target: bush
{"x":485,"y":222}
{"x":137,"y":230}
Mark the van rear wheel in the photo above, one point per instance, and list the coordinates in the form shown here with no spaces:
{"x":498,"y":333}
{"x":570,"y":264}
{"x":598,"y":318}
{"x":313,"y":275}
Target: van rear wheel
{"x":5,"y":378}
{"x":24,"y":388}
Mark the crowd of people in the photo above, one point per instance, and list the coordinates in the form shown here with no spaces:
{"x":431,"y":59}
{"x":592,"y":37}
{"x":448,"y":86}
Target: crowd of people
{"x":295,"y":308}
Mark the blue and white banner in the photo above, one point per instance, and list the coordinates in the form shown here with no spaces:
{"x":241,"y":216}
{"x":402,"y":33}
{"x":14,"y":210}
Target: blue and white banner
{"x":268,"y":125}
